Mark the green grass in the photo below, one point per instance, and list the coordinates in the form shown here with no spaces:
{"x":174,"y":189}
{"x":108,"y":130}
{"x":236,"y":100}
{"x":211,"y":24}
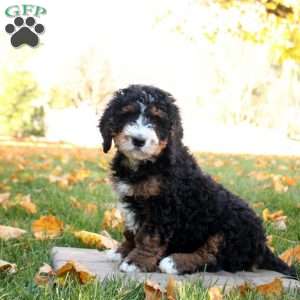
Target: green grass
{"x":18,"y":165}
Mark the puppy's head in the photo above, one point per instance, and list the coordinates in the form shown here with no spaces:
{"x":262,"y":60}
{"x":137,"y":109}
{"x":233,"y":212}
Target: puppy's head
{"x":142,"y":121}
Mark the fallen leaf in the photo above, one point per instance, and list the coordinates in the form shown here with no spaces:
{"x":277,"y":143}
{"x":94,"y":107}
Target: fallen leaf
{"x":278,"y":184}
{"x":218,"y":163}
{"x":90,"y":208}
{"x":290,"y":255}
{"x":45,"y":275}
{"x":77,"y":176}
{"x":259,"y":176}
{"x":7,"y":232}
{"x":113,"y":219}
{"x":4,"y":200}
{"x":96,"y":240}
{"x":28,"y":205}
{"x":215,"y":293}
{"x":80,"y":271}
{"x":7,"y":267}
{"x":289,"y":181}
{"x":152,"y":291}
{"x":171,"y":288}
{"x":47,"y":227}
{"x":258,"y":205}
{"x":276,"y":216}
{"x":245,"y":288}
{"x":274,"y":288}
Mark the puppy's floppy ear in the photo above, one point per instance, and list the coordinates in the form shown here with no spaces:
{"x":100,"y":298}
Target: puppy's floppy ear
{"x":106,"y":127}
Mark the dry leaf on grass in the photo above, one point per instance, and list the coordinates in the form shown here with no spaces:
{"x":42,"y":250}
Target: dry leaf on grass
{"x":45,"y":275}
{"x":7,"y":232}
{"x":290,"y":255}
{"x":152,"y":291}
{"x":274,"y":288}
{"x":89,"y":208}
{"x":218,"y":163}
{"x":289,"y":181}
{"x":215,"y":293}
{"x":259,"y":176}
{"x":277,"y":218}
{"x":113,"y":219}
{"x":28,"y":205}
{"x":100,"y":241}
{"x":7,"y":267}
{"x":4,"y":199}
{"x":47,"y":227}
{"x":278,"y":184}
{"x":76,"y":269}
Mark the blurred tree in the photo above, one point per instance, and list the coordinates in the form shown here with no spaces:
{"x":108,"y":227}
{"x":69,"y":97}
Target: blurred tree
{"x":18,"y":115}
{"x":90,"y":82}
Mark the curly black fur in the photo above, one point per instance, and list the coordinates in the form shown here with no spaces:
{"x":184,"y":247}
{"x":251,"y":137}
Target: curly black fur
{"x":191,"y":206}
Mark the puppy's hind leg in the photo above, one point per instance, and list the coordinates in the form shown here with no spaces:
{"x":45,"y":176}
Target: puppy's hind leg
{"x":204,"y":257}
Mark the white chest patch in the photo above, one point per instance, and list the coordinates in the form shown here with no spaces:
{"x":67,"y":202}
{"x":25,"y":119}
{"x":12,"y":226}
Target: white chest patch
{"x":123,"y":189}
{"x":129,"y":216}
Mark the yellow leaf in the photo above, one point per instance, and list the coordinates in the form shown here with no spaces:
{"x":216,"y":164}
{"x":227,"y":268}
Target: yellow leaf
{"x":289,"y":181}
{"x":259,"y":176}
{"x":274,"y":288}
{"x":113,"y":219}
{"x":28,"y":205}
{"x":47,"y":227}
{"x":44,"y":275}
{"x":4,"y":200}
{"x":171,"y":288}
{"x":7,"y":267}
{"x":152,"y":291}
{"x":215,"y":293}
{"x":4,"y":197}
{"x":278,"y":185}
{"x":7,"y":232}
{"x":79,"y":270}
{"x":291,"y":255}
{"x":218,"y":163}
{"x":90,"y":208}
{"x":96,"y":240}
{"x":276,"y":216}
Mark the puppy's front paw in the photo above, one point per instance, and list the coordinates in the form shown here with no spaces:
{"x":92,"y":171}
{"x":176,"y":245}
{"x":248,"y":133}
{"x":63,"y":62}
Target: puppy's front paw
{"x":168,"y":265}
{"x":113,"y":255}
{"x":128,"y":267}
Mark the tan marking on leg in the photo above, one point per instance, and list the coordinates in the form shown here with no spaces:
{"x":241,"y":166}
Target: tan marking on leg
{"x":147,"y":253}
{"x":205,"y":255}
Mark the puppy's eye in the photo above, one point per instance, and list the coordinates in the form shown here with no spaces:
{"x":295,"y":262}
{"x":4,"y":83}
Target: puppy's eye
{"x":156,"y":112}
{"x":128,"y":109}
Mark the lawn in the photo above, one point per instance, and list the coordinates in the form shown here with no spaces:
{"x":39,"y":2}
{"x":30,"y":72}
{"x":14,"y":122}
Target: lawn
{"x":266,"y":182}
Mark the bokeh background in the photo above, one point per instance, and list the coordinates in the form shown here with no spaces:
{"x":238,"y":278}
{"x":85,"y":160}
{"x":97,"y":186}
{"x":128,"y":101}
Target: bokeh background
{"x":233,"y":67}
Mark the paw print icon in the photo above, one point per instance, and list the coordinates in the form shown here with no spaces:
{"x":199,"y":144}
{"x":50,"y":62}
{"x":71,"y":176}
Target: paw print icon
{"x":24,"y":32}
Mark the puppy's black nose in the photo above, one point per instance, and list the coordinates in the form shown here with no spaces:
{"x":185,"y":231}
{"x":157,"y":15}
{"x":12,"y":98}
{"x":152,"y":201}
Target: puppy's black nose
{"x":138,"y":142}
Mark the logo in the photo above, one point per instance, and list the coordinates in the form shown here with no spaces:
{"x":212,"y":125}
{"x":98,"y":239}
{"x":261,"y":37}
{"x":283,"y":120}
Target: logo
{"x":25,"y":28}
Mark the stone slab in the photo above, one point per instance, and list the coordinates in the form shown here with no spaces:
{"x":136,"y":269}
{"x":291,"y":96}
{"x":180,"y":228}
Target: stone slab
{"x":98,"y":263}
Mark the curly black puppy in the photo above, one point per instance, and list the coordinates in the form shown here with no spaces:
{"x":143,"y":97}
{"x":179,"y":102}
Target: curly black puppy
{"x":178,"y":219}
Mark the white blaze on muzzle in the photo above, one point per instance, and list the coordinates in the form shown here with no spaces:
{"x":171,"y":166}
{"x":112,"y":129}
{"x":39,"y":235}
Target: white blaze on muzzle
{"x":142,"y":139}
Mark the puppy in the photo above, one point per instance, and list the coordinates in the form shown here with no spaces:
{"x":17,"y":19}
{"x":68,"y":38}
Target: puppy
{"x":178,"y":219}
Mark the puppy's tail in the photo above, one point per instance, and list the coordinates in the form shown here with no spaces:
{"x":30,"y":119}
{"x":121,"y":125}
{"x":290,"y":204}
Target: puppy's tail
{"x":270,"y":261}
